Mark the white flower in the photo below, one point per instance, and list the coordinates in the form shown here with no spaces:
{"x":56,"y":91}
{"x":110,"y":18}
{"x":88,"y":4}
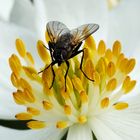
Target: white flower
{"x":106,"y":119}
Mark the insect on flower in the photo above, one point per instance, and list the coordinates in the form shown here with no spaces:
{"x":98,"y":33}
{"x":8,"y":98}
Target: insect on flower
{"x":64,"y":44}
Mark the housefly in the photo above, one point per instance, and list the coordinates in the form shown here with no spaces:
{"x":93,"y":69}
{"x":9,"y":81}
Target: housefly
{"x":64,"y":44}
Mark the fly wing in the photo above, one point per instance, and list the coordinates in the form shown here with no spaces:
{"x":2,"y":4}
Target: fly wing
{"x":83,"y":32}
{"x":55,"y":29}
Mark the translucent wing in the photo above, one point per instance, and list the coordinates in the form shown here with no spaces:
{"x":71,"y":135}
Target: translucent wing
{"x":55,"y":29}
{"x":82,"y":32}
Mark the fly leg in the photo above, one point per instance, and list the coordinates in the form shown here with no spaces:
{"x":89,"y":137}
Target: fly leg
{"x":76,"y":53}
{"x":53,"y":62}
{"x":53,"y":76}
{"x":77,"y":48}
{"x":45,"y":68}
{"x":51,"y":65}
{"x":68,"y":65}
{"x":51,"y":47}
{"x":81,"y":66}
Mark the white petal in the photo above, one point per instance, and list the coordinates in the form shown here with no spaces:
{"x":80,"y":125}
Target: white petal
{"x":5,"y":9}
{"x":74,"y":13}
{"x":43,"y":134}
{"x":125,"y":123}
{"x":8,"y":34}
{"x":23,"y":14}
{"x":41,"y":17}
{"x":124,"y":25}
{"x":8,"y":107}
{"x":79,"y":132}
{"x":102,"y":131}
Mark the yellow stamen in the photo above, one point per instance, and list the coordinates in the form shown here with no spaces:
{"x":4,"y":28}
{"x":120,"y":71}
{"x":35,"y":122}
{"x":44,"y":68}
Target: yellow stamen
{"x":90,"y":42}
{"x":105,"y":102}
{"x":36,"y":124}
{"x":61,"y":124}
{"x":87,"y":54}
{"x":47,"y":36}
{"x":69,"y":84}
{"x":123,"y":65}
{"x":128,"y":85}
{"x":82,"y":119}
{"x":20,"y":46}
{"x":42,"y":51}
{"x":119,"y":60}
{"x":18,"y":97}
{"x":130,"y":65}
{"x":89,"y":68}
{"x":30,"y":72}
{"x":101,"y":66}
{"x":47,"y":76}
{"x":65,"y":94}
{"x":67,"y":110}
{"x":24,"y":116}
{"x":77,"y":84}
{"x":14,"y":80}
{"x":111,"y":69}
{"x":28,"y":96}
{"x":47,"y":105}
{"x":116,"y":48}
{"x":83,"y":97}
{"x":120,"y":106}
{"x":47,"y":90}
{"x":111,"y":85}
{"x":60,"y":78}
{"x":101,"y":48}
{"x":96,"y":78}
{"x":33,"y":111}
{"x":126,"y":82}
{"x":25,"y":85}
{"x":15,"y":64}
{"x":132,"y":85}
{"x":30,"y":59}
{"x":108,"y":54}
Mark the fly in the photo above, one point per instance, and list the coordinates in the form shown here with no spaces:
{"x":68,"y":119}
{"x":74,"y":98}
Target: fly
{"x":64,"y":44}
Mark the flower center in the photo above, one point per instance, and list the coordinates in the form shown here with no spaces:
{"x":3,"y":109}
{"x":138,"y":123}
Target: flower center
{"x":83,"y":99}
